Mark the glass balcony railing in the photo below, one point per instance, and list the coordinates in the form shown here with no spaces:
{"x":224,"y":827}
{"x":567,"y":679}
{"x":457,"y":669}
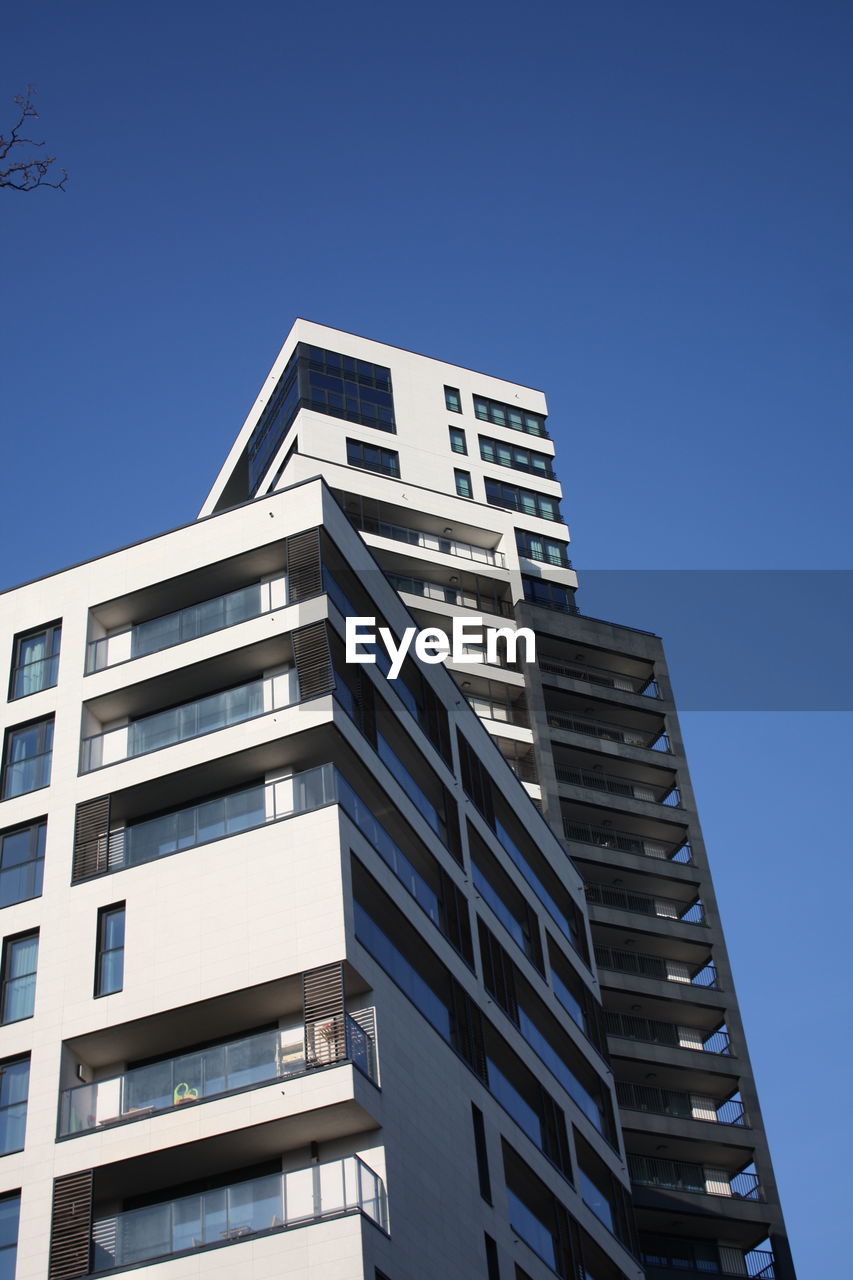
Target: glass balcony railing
{"x":186,"y":624}
{"x":238,"y":1212}
{"x":217,"y":818}
{"x":246,"y":1063}
{"x":29,"y":774}
{"x":190,"y":720}
{"x":468,"y":598}
{"x":429,"y":541}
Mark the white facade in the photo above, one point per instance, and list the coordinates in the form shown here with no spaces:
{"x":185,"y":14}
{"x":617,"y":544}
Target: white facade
{"x":219,"y":930}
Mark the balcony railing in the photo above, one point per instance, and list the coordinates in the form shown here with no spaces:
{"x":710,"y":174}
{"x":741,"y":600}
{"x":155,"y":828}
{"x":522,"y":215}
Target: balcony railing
{"x":684,"y":1106}
{"x":509,"y":712}
{"x":758,"y":1264}
{"x":652,"y":740}
{"x":190,"y":720}
{"x":673,"y":1036}
{"x":646,"y":966}
{"x":238,"y":1212}
{"x":483,"y":601}
{"x":605,"y":679}
{"x":247,"y":1063}
{"x":646,"y":904}
{"x":186,"y":624}
{"x":626,"y":842}
{"x":429,"y":541}
{"x":227,"y":815}
{"x":615,"y":786}
{"x":523,"y":769}
{"x":678,"y":1175}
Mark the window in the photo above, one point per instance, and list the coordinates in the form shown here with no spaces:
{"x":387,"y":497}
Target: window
{"x":507,"y":415}
{"x":526,"y":500}
{"x":493,"y":1270}
{"x":457,"y":440}
{"x":550,"y":595}
{"x":21,"y":863}
{"x":10,"y":1208}
{"x":109,"y":963}
{"x":26,"y":758}
{"x":36,"y":661}
{"x":14,"y":1087}
{"x":371,"y":458}
{"x":548,"y":550}
{"x":18,"y":984}
{"x":481,"y":1152}
{"x":452,"y":399}
{"x":509,"y":455}
{"x":463,"y":484}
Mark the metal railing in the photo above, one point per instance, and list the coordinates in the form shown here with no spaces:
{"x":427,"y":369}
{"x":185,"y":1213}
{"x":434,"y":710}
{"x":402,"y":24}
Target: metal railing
{"x":196,"y":620}
{"x":189,"y":720}
{"x":647,"y":904}
{"x":626,"y":842}
{"x":679,"y":1175}
{"x":684,"y":1106}
{"x":238,"y":1212}
{"x":606,"y":679}
{"x":652,"y":740}
{"x":429,"y":541}
{"x":248,"y":1062}
{"x":758,"y":1264}
{"x":616,"y":786}
{"x":459,"y":596}
{"x":669,"y":1034}
{"x":646,"y":966}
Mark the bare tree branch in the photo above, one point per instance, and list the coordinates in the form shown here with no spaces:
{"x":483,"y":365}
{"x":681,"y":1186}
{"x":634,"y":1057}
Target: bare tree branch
{"x":20,"y":172}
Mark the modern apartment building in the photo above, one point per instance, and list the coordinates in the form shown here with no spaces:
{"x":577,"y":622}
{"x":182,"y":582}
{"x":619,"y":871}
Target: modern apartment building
{"x":308,"y":971}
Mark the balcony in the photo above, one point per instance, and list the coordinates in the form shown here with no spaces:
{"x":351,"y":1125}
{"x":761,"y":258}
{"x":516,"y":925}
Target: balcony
{"x":214,"y":819}
{"x":646,"y":904}
{"x":651,"y":740}
{"x":682,"y":1106}
{"x":665,"y":970}
{"x":247,"y":1063}
{"x":644,"y":684}
{"x":189,"y":720}
{"x":186,"y":624}
{"x":616,"y":786}
{"x":689,"y":1260}
{"x":492,"y":709}
{"x":235,"y":1213}
{"x":429,"y":541}
{"x":466,"y":597}
{"x":678,"y":1175}
{"x":669,"y":1034}
{"x":626,"y":842}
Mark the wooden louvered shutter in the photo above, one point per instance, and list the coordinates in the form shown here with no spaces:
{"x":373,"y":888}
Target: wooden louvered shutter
{"x":313,"y":660}
{"x":433,"y":720}
{"x":498,"y":973}
{"x":467,"y":1029}
{"x":323,"y":1011}
{"x":455,"y":922}
{"x":91,"y":838}
{"x":304,"y":566}
{"x":71,"y":1226}
{"x":475,"y":781}
{"x":365,"y":703}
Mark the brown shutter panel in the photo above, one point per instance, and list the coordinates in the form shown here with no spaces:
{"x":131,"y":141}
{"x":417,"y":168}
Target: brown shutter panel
{"x":304,"y":566}
{"x":466,"y":1029}
{"x":91,"y":838}
{"x":455,"y":923}
{"x":365,"y":703}
{"x":313,"y":660}
{"x":498,"y":973}
{"x":475,"y":780}
{"x":434,"y":722}
{"x":71,"y":1226}
{"x":323,"y":1011}
{"x":555,"y":1143}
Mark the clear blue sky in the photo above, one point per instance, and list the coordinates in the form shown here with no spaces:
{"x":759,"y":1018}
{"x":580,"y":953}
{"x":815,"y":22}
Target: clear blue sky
{"x":643,"y":208}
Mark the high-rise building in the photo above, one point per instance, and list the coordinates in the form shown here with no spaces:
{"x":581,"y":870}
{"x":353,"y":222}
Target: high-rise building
{"x":313,"y":967}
